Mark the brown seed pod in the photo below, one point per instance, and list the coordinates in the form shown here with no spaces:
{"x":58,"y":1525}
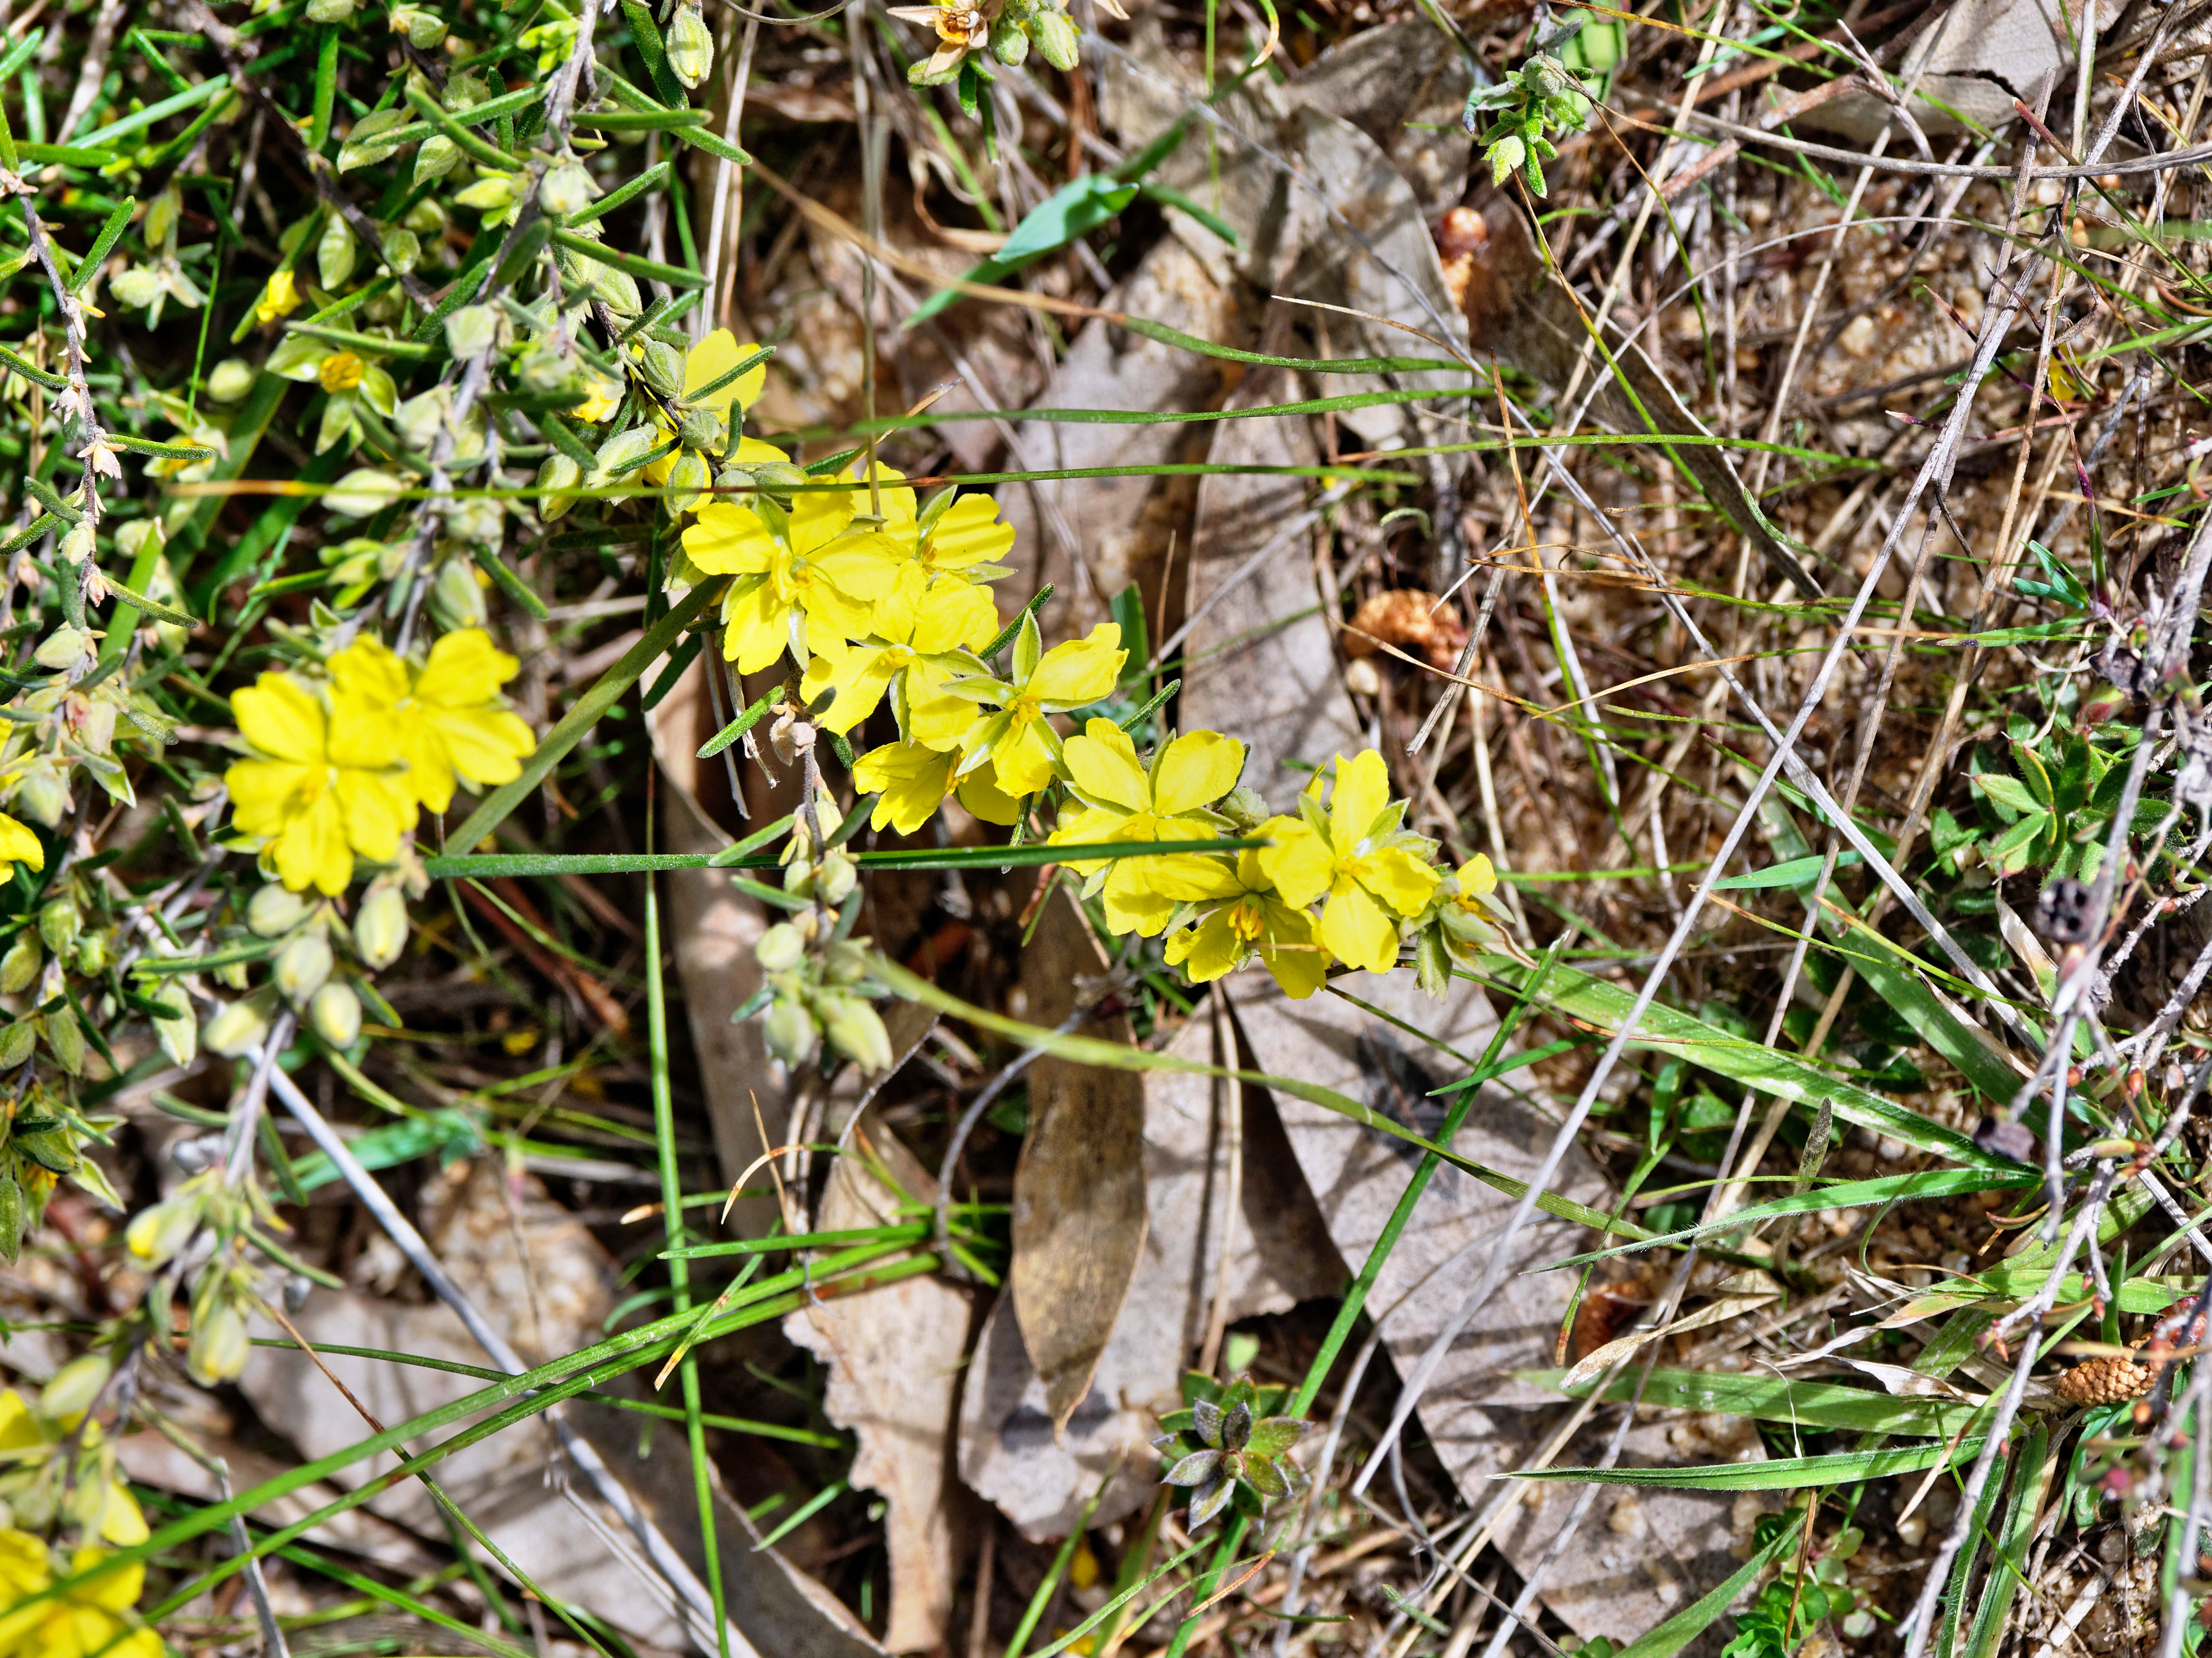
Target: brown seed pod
{"x":2104,"y":1381}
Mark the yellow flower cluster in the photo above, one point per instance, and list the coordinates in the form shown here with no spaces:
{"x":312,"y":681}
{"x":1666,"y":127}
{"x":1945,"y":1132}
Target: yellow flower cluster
{"x":340,"y":765}
{"x":39,"y":1483}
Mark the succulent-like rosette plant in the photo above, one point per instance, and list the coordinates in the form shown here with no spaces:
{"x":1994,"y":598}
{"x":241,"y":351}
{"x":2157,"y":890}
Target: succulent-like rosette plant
{"x":1226,"y":1439}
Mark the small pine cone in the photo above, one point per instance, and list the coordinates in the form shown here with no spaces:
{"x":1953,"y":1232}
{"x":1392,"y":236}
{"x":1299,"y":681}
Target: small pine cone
{"x":1412,"y":621}
{"x":2104,"y":1381}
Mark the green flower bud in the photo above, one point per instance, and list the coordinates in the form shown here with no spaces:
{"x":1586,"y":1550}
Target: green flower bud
{"x":438,"y":156}
{"x":464,"y":89}
{"x":471,"y":331}
{"x":1243,"y":808}
{"x":457,"y":596}
{"x":380,"y":928}
{"x":58,"y":921}
{"x":798,"y":878}
{"x":856,"y":1030}
{"x":63,"y":647}
{"x":789,"y":1030}
{"x":11,"y":1224}
{"x":273,"y":911}
{"x":556,"y":471}
{"x":1057,"y":41}
{"x":160,"y":224}
{"x":232,"y":380}
{"x":402,"y":250}
{"x":363,"y":147}
{"x":302,"y":966}
{"x":16,"y":1043}
{"x":543,"y":369}
{"x":362,"y":493}
{"x":778,"y":479}
{"x":781,"y":948}
{"x":661,"y":366}
{"x":22,"y":963}
{"x":688,"y":476}
{"x":177,"y":1031}
{"x":155,"y":1235}
{"x":64,"y":1400}
{"x":566,"y":189}
{"x":329,"y":11}
{"x":43,"y":795}
{"x":425,"y":30}
{"x":219,"y":1347}
{"x":690,"y":47}
{"x":847,"y":963}
{"x":492,"y":192}
{"x":65,"y":1041}
{"x":92,"y":955}
{"x":1009,"y":43}
{"x":834,"y":878}
{"x":239,"y":1026}
{"x":336,"y":1014}
{"x":701,"y":428}
{"x":135,"y":286}
{"x":334,"y":251}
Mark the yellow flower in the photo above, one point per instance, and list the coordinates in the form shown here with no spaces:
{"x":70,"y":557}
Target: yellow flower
{"x":806,"y":578}
{"x":85,"y":1619}
{"x":1357,"y":857}
{"x":1248,"y":917}
{"x":1018,"y":740}
{"x":322,"y":785}
{"x":706,"y":363}
{"x":603,"y":395}
{"x":917,"y":628}
{"x":24,"y":1568}
{"x":19,"y":1427}
{"x":18,"y":845}
{"x":280,"y":296}
{"x":446,"y":712}
{"x":340,"y":372}
{"x":1124,"y":801}
{"x":965,"y":534}
{"x":910,"y":782}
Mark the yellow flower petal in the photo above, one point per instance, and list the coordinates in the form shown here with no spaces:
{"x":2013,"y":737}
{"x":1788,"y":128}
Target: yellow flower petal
{"x":1362,"y":789}
{"x":1357,"y":930}
{"x":1398,"y":878}
{"x":1103,"y":762}
{"x":909,"y":781}
{"x":1198,"y":768}
{"x":1081,"y":670}
{"x":281,"y":716}
{"x":711,"y":358}
{"x":465,"y":669}
{"x":1300,"y":864}
{"x":19,"y":846}
{"x":968,"y":533}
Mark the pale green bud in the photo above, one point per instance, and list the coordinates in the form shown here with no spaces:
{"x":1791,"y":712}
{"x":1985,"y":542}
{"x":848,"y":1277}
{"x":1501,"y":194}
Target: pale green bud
{"x":556,"y":471}
{"x":58,"y":921}
{"x":425,"y":30}
{"x":329,"y":11}
{"x":403,"y":251}
{"x":155,"y":1235}
{"x":219,"y":1346}
{"x":700,"y":429}
{"x":464,"y":89}
{"x":457,"y":595}
{"x":542,"y":369}
{"x":92,"y":957}
{"x":834,"y":878}
{"x":335,"y":1012}
{"x":690,"y":47}
{"x":43,"y":796}
{"x":566,"y":189}
{"x":302,"y":966}
{"x":492,"y":192}
{"x":847,"y":963}
{"x":1057,"y":41}
{"x":1010,"y":45}
{"x":363,"y":146}
{"x":778,"y":479}
{"x":362,"y":493}
{"x":161,"y":213}
{"x":63,"y":647}
{"x":22,"y":963}
{"x":620,"y":453}
{"x":689,"y":477}
{"x":781,"y":948}
{"x":438,"y":156}
{"x":177,"y":1031}
{"x":17,"y":1041}
{"x":232,"y":380}
{"x":135,"y":286}
{"x":856,"y":1030}
{"x":789,"y":1030}
{"x":380,"y":926}
{"x":64,"y":1400}
{"x":662,"y":368}
{"x":65,"y":1041}
{"x":238,"y":1026}
{"x":335,"y":251}
{"x":275,"y":910}
{"x":471,"y":331}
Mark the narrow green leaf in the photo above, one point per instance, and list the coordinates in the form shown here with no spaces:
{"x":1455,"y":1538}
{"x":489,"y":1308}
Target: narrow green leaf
{"x":1776,"y":1473}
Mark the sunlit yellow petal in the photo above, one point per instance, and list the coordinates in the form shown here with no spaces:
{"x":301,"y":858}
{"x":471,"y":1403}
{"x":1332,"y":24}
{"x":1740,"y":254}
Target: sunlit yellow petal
{"x":1359,"y":931}
{"x":1103,"y":762}
{"x":909,"y":781}
{"x":465,"y":669}
{"x":729,"y":539}
{"x":968,"y":533}
{"x":280,"y":717}
{"x":1198,"y":768}
{"x":19,"y":846}
{"x":311,"y":848}
{"x":1081,"y":670}
{"x":1362,"y":789}
{"x":1300,"y":864}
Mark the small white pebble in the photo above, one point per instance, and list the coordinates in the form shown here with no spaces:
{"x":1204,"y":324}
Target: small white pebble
{"x":1858,"y":336}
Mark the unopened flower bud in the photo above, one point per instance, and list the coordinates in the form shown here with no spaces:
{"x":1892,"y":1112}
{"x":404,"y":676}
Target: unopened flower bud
{"x":1009,"y":43}
{"x":16,"y":1043}
{"x":161,"y":213}
{"x":177,"y":1031}
{"x":1056,"y":40}
{"x":362,"y":492}
{"x":64,"y":1400}
{"x":380,"y":926}
{"x":43,"y":796}
{"x":238,"y":1026}
{"x":781,"y":948}
{"x":62,"y":647}
{"x":402,"y":250}
{"x":789,"y":1030}
{"x":92,"y":955}
{"x":273,"y":911}
{"x":778,"y":480}
{"x":336,"y":1014}
{"x":65,"y":1040}
{"x":661,"y":366}
{"x":457,"y":596}
{"x":847,"y":963}
{"x":566,"y":189}
{"x":232,"y":378}
{"x":22,"y":963}
{"x":334,"y":251}
{"x":690,"y":47}
{"x":856,"y":1030}
{"x":471,"y":331}
{"x":835,"y":877}
{"x":155,"y":1235}
{"x":425,"y":30}
{"x":688,"y":478}
{"x":58,"y":922}
{"x":219,"y":1347}
{"x":438,"y":156}
{"x":554,"y":473}
{"x":302,"y":966}
{"x":329,"y":11}
{"x":134,"y":286}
